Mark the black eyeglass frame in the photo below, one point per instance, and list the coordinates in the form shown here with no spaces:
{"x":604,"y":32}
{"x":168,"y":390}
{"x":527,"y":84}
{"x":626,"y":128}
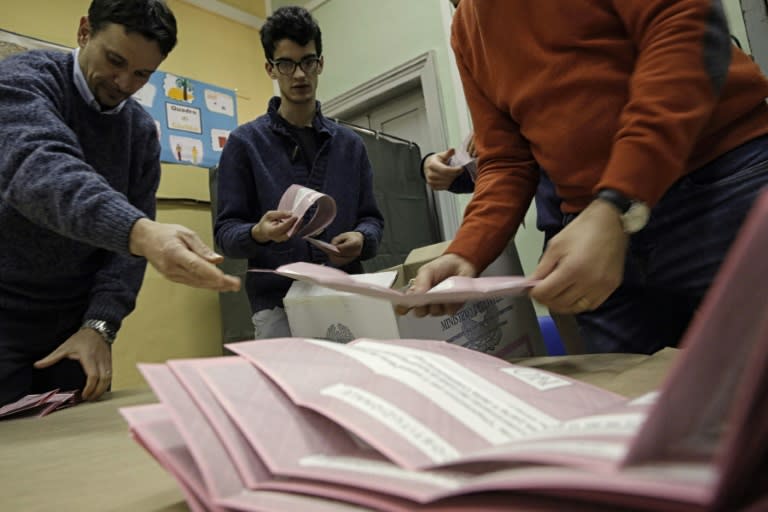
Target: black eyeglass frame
{"x":310,"y":61}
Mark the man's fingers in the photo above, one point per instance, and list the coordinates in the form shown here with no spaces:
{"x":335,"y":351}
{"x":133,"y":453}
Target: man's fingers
{"x":339,"y":239}
{"x":92,"y":374}
{"x":452,"y":309}
{"x":277,"y":225}
{"x":430,"y":310}
{"x":437,"y":185}
{"x":546,"y":266}
{"x":421,"y":284}
{"x":201,"y":274}
{"x":283,"y":224}
{"x":105,"y":379}
{"x":197,"y":246}
{"x":91,"y":383}
{"x":402,"y":310}
{"x":277,"y":215}
{"x":436,"y":309}
{"x":564,"y":300}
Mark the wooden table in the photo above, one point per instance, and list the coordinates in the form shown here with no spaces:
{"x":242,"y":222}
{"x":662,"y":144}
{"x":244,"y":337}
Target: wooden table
{"x":83,"y":459}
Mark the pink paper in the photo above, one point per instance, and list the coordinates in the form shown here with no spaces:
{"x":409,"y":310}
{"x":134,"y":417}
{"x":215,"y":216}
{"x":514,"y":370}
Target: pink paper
{"x":41,"y":404}
{"x":287,"y":437}
{"x":241,"y":452}
{"x":429,"y":426}
{"x":364,"y":385}
{"x":455,"y":289}
{"x":218,"y":472}
{"x":153,"y":429}
{"x":299,"y":200}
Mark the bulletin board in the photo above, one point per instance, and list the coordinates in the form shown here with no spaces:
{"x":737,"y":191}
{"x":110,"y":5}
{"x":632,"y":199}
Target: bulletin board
{"x":194,"y":119}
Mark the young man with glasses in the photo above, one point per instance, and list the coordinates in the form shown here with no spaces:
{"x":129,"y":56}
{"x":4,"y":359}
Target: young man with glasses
{"x":293,"y":143}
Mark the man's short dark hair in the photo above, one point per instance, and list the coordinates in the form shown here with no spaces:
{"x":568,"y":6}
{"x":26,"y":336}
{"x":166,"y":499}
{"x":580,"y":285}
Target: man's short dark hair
{"x":152,"y":19}
{"x":294,"y":23}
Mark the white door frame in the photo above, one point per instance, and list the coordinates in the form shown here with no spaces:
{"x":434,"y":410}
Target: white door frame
{"x":417,"y":72}
{"x":755,"y":13}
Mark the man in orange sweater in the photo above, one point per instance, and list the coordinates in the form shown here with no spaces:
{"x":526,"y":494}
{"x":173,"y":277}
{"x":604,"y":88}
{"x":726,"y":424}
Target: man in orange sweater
{"x":654,"y":129}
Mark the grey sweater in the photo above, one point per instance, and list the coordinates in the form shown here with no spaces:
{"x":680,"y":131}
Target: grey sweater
{"x":72,"y":183}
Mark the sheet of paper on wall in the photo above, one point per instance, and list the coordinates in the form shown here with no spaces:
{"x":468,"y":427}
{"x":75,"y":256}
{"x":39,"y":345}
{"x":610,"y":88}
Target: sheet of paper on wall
{"x":424,"y":425}
{"x":40,"y":404}
{"x":300,"y":200}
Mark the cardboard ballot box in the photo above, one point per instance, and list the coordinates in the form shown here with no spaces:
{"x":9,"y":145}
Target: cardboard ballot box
{"x":504,"y":327}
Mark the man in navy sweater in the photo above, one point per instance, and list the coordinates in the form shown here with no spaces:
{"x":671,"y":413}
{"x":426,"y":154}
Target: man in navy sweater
{"x":293,"y":143}
{"x":79,"y":167}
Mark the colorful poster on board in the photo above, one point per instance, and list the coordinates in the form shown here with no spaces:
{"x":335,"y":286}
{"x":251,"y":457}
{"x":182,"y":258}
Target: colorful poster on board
{"x":194,"y":119}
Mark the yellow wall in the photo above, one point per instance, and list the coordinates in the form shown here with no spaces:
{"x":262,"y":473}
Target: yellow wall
{"x":170,"y":320}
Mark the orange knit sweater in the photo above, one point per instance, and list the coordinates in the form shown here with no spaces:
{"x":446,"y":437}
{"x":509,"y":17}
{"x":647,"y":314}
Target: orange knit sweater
{"x":625,"y":94}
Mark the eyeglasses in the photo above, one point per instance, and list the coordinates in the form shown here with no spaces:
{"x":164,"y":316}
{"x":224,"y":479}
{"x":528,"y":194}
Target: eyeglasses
{"x":308,"y":65}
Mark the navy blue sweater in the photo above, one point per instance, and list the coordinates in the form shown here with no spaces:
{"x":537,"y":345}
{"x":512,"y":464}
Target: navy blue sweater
{"x":72,"y":183}
{"x":259,"y":162}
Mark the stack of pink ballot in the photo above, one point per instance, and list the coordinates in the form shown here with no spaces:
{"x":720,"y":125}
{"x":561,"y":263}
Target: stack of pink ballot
{"x":300,"y":201}
{"x":307,"y":425}
{"x":40,"y":404}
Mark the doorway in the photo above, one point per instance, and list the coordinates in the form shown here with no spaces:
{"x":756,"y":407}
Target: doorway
{"x":404,"y":102}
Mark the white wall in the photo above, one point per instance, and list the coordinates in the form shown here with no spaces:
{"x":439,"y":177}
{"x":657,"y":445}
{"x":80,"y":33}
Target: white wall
{"x":736,"y":22}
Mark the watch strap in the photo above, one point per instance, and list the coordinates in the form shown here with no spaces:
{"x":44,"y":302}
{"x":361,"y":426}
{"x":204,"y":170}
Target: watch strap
{"x":634,"y":215}
{"x":616,"y":198}
{"x":104,"y":328}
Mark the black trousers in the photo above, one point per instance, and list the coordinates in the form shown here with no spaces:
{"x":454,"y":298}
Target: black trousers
{"x":26,"y":337}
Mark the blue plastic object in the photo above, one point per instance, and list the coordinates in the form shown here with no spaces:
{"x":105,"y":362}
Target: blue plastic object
{"x":551,"y":336}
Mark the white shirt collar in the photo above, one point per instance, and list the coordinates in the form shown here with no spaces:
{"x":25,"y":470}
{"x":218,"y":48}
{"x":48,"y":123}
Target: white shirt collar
{"x":85,"y":91}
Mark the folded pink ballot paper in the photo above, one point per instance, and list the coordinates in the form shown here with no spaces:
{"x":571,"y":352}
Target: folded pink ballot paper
{"x":455,"y":289}
{"x":40,"y":404}
{"x":406,"y":425}
{"x":299,"y":200}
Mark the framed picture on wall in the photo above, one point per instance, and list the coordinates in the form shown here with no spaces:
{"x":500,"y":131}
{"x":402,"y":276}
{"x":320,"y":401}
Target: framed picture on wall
{"x":11,"y":43}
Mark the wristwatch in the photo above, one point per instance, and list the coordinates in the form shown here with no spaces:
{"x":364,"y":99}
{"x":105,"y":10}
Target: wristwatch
{"x":634,"y":214}
{"x":107,"y":330}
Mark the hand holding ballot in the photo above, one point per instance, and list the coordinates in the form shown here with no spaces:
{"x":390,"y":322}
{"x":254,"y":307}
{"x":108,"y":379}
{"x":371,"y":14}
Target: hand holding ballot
{"x":454,"y":290}
{"x":288,"y":220}
{"x":432,"y":273}
{"x":348,"y":245}
{"x":274,"y":226}
{"x":466,"y":157}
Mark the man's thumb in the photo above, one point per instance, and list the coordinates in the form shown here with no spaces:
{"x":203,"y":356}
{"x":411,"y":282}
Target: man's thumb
{"x":51,"y":359}
{"x":446,"y":155}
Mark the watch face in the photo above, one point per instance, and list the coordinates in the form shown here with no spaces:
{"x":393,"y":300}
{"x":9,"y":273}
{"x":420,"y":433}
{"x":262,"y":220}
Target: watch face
{"x":636,"y":217}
